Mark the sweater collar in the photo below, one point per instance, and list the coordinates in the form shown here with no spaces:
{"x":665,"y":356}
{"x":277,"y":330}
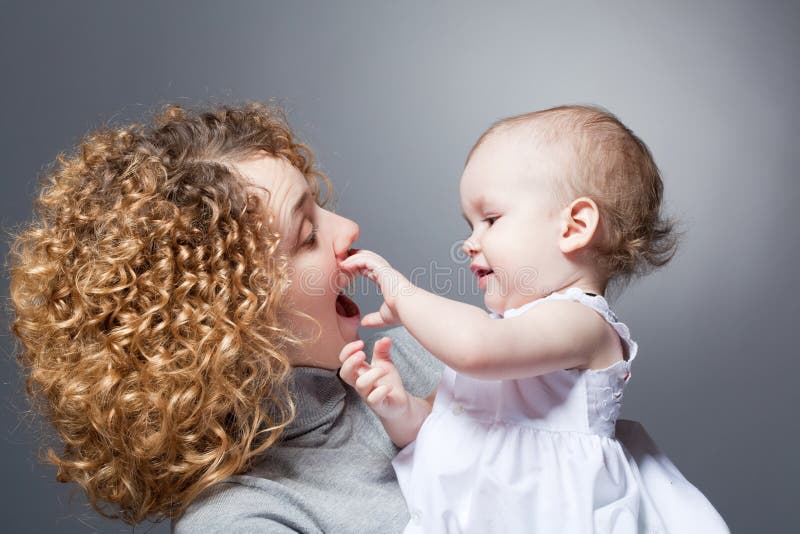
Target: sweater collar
{"x":318,"y":395}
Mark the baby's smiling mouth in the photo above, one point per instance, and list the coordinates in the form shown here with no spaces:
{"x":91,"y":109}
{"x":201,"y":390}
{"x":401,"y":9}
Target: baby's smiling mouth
{"x":480,"y":272}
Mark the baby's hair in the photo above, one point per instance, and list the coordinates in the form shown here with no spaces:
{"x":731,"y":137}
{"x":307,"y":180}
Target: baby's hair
{"x":146,"y":297}
{"x":608,"y":163}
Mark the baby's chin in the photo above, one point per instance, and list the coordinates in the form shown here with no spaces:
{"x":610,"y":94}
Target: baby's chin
{"x":500,"y":305}
{"x":493,"y":304}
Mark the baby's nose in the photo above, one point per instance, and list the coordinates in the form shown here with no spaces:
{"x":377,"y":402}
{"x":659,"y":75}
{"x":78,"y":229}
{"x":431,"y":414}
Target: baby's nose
{"x":469,"y":248}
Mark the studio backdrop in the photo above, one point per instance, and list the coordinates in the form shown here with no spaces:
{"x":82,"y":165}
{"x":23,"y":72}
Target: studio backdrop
{"x":390,"y":96}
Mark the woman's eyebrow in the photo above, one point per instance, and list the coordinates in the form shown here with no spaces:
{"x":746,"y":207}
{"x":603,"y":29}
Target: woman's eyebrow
{"x":295,"y":210}
{"x":299,"y":204}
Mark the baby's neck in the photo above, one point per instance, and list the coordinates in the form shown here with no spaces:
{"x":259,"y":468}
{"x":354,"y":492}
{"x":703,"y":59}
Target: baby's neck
{"x":585,"y":282}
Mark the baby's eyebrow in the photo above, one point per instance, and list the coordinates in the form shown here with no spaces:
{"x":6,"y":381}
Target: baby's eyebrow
{"x":481,"y":206}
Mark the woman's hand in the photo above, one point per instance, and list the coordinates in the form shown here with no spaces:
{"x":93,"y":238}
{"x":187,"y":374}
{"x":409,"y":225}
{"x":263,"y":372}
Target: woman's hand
{"x":379,"y":384}
{"x":391,"y":283}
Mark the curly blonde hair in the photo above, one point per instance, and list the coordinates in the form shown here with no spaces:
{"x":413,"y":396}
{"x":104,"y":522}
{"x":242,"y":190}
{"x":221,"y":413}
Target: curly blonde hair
{"x":608,"y":163}
{"x":146,"y":297}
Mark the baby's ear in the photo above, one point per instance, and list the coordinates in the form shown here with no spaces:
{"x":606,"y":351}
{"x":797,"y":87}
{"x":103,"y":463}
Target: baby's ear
{"x":578,"y":224}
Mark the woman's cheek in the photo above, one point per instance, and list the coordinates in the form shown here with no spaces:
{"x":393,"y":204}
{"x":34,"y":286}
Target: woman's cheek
{"x":303,"y":279}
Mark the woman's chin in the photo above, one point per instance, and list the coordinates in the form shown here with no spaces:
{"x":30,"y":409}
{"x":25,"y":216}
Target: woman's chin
{"x":348,"y":326}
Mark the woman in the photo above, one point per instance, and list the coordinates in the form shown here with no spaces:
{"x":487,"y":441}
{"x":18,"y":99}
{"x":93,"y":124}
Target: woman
{"x":178,"y":302}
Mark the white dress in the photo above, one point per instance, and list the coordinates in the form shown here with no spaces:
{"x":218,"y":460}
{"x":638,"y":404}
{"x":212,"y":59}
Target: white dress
{"x":545,"y":454}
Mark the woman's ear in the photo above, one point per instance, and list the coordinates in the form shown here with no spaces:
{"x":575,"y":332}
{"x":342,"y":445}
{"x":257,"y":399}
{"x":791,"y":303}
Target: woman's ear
{"x":578,"y":224}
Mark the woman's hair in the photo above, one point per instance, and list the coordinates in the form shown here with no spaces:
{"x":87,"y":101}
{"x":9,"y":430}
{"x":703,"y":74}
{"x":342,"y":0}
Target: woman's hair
{"x":608,"y":163}
{"x":146,"y":296}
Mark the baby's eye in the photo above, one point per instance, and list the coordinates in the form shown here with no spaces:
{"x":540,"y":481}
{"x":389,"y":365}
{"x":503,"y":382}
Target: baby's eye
{"x":491,"y":220}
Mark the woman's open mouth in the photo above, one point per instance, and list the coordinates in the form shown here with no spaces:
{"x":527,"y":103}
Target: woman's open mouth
{"x":346,"y":307}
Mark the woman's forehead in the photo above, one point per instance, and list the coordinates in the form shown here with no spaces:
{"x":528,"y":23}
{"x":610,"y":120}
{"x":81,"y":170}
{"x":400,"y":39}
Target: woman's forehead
{"x":275,"y":174}
{"x":286,"y":187}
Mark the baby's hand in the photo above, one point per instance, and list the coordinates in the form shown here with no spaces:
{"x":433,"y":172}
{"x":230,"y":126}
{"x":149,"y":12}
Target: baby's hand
{"x":378,"y":384}
{"x":389,"y":280}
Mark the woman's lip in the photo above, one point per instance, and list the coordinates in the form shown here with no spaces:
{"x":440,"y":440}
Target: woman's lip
{"x":348,"y":326}
{"x":346,"y":307}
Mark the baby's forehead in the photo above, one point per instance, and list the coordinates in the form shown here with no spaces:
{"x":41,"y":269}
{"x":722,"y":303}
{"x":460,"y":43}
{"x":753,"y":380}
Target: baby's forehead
{"x":537,"y":152}
{"x":537,"y":136}
{"x":502,"y":168}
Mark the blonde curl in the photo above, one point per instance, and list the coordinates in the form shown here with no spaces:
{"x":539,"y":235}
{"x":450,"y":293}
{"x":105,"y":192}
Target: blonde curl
{"x":146,"y":297}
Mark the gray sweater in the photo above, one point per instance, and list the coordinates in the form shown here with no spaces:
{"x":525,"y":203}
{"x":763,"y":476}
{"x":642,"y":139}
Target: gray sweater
{"x":331,"y":473}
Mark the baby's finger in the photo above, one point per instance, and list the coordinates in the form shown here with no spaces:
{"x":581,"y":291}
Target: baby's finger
{"x":387,"y":315}
{"x":378,"y":395}
{"x":356,"y":262}
{"x":351,"y":367}
{"x":366,"y":262}
{"x":373,"y":319}
{"x":366,"y":381}
{"x":350,"y":348}
{"x":381,"y":352}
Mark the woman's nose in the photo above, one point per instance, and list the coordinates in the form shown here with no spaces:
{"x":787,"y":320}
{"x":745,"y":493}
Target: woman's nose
{"x":347,"y":232}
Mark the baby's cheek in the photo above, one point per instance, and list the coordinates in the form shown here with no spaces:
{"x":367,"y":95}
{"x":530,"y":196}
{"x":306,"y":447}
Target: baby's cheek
{"x":496,"y":290}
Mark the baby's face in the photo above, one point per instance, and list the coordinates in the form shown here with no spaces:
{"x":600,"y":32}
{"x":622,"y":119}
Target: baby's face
{"x":507,"y":201}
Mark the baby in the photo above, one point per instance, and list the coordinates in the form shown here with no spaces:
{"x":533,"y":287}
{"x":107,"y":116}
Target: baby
{"x":522,"y":434}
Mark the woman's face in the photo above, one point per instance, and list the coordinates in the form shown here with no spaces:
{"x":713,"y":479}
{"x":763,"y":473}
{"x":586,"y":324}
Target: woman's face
{"x":316,"y":240}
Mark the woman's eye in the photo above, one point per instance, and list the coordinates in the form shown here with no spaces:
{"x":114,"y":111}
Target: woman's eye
{"x":311,"y":240}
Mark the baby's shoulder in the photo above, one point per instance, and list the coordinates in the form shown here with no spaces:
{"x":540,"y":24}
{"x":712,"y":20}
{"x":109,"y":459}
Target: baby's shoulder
{"x":589,"y":328}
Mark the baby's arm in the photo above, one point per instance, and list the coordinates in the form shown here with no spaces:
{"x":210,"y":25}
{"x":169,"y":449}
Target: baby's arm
{"x":553,"y":335}
{"x":381,"y":387}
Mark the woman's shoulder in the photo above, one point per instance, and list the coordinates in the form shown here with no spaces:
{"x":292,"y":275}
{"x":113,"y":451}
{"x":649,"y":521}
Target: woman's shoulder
{"x":418,"y":367}
{"x":245,"y":504}
{"x":348,"y":498}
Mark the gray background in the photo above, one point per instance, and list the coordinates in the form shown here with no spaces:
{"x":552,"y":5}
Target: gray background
{"x":392,"y":95}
